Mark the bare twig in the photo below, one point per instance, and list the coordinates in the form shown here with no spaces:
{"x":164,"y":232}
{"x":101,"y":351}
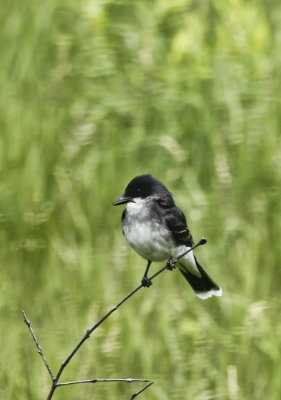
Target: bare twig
{"x":134,"y":395}
{"x":39,"y":348}
{"x":85,"y":337}
{"x":128,"y":380}
{"x":97,"y":380}
{"x":171,"y":264}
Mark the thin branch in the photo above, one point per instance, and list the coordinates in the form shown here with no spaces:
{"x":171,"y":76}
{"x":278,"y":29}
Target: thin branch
{"x":97,"y":380}
{"x":39,"y":348}
{"x":171,"y":264}
{"x":85,"y":337}
{"x":134,"y":395}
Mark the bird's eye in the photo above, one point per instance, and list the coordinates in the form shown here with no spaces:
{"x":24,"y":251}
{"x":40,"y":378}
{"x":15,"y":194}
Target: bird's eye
{"x":138,"y":190}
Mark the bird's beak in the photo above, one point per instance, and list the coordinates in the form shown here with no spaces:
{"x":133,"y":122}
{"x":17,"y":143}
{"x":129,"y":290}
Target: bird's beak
{"x":123,"y":200}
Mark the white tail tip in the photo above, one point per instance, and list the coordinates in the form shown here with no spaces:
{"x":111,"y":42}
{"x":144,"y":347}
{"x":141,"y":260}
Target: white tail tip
{"x":210,"y":293}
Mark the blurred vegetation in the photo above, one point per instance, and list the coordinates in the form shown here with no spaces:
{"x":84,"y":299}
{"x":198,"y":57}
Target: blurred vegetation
{"x":94,"y":93}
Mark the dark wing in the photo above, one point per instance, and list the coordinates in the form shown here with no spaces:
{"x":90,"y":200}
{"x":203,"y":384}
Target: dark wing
{"x":176,"y":223}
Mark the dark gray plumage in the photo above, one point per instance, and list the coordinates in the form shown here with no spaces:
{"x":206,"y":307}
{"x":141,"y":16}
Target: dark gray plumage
{"x":156,"y":229}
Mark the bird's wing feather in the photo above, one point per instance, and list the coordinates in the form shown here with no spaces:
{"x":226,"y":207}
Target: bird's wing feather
{"x":176,"y":223}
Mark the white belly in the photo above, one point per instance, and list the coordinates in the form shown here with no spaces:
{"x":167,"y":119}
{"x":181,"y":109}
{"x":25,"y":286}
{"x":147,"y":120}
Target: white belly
{"x":144,"y":234}
{"x":149,"y":241}
{"x":152,"y":243}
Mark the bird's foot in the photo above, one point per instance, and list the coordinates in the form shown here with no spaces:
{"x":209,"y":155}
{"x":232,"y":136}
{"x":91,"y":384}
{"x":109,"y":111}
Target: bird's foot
{"x":146,"y":282}
{"x":171,"y":264}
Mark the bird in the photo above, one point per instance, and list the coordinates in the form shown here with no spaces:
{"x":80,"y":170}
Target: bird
{"x":157,"y":230}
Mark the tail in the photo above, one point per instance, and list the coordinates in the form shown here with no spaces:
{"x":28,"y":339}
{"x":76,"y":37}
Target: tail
{"x":201,"y":283}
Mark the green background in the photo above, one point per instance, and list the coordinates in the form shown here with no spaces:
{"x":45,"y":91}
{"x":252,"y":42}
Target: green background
{"x":94,"y":93}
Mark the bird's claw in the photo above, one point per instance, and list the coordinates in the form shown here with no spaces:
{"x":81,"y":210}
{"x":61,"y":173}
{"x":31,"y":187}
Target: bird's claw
{"x":146,"y":282}
{"x":171,"y":264}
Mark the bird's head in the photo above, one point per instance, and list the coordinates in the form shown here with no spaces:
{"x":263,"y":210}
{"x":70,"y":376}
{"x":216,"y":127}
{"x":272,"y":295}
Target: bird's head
{"x":142,"y":186}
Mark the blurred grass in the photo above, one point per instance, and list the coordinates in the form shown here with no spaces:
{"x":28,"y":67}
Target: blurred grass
{"x":92,"y":94}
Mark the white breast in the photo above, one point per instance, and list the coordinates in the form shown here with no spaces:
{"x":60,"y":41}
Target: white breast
{"x":146,"y":235}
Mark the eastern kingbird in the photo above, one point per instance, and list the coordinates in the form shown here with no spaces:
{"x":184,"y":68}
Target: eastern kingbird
{"x":156,"y":229}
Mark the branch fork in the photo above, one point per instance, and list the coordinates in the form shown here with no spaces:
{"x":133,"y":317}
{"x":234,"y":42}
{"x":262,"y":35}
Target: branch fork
{"x":171,"y":264}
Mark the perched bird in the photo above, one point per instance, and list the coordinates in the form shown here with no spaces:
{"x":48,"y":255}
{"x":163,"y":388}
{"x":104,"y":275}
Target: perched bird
{"x":156,"y":229}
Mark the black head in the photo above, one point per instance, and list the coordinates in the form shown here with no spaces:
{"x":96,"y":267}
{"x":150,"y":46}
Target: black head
{"x":143,"y":186}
